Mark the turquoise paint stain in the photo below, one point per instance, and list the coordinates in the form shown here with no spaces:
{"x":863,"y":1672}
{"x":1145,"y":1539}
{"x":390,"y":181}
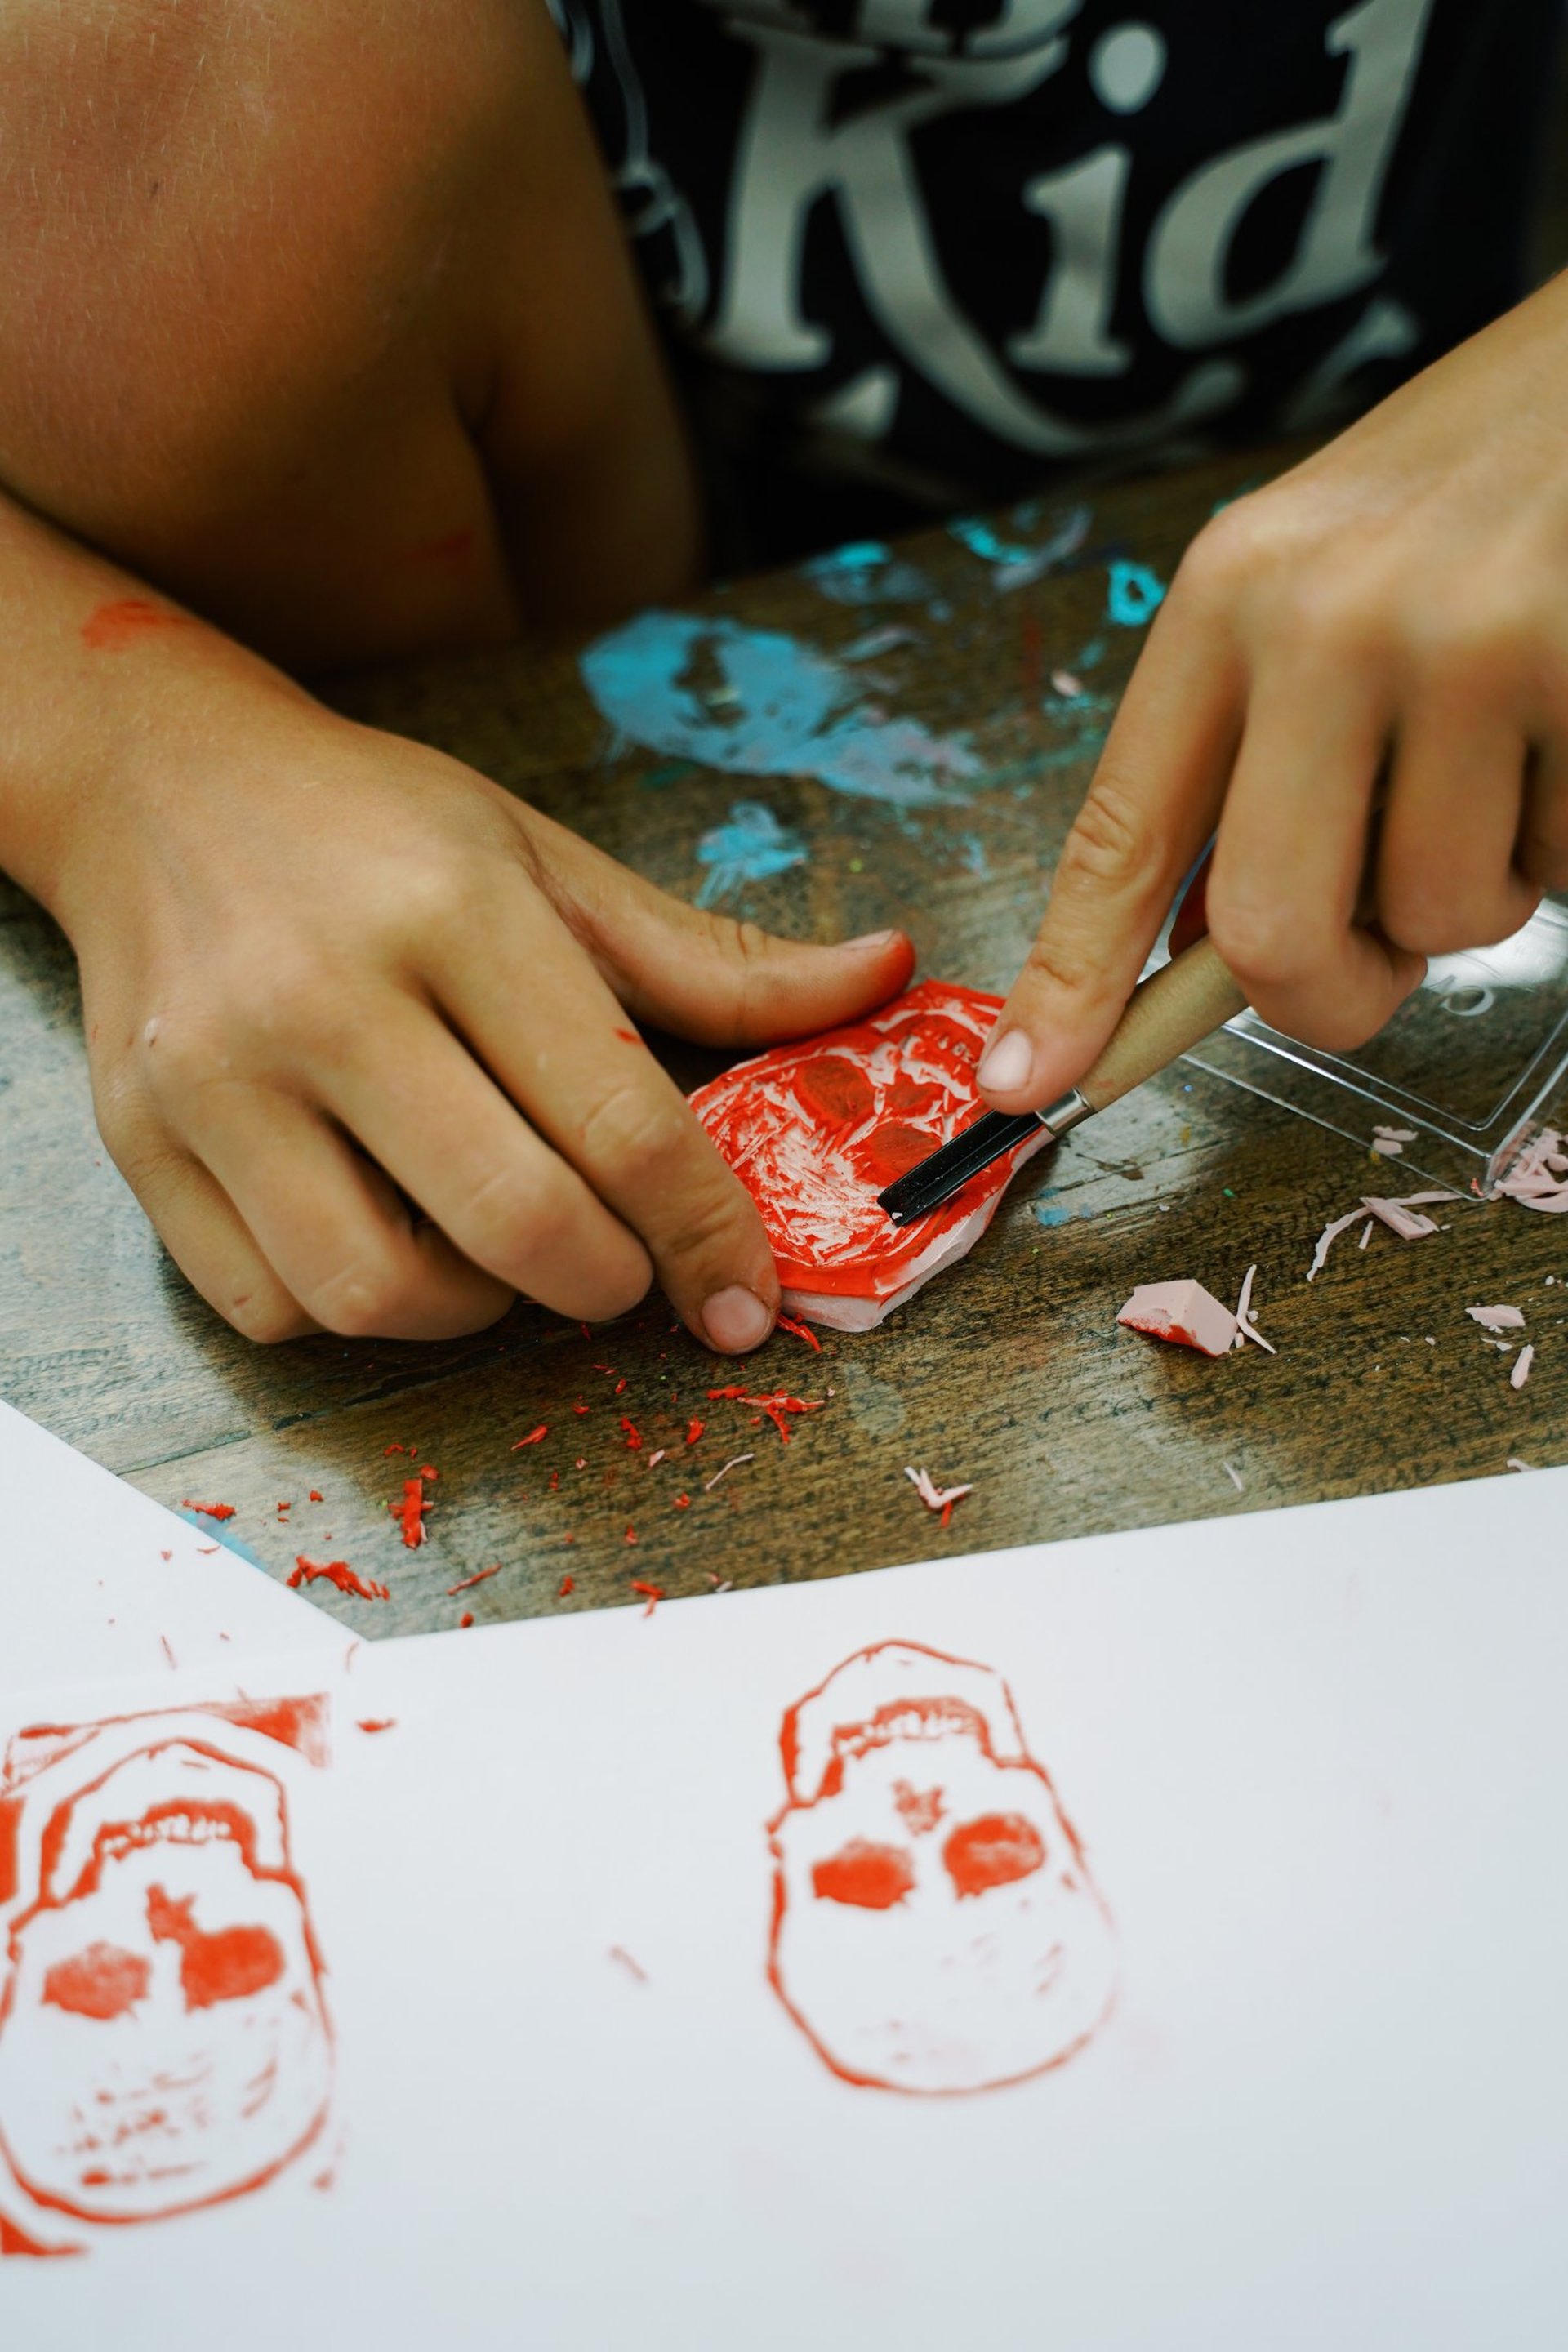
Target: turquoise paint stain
{"x":1093,"y":655}
{"x":865,"y":572}
{"x":981,"y":541}
{"x":1019,"y":566}
{"x":752,"y":846}
{"x":768,"y":706}
{"x":1134,"y":596}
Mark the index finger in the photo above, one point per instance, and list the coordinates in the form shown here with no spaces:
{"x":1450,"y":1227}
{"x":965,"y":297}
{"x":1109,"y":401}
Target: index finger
{"x":1156,"y":793}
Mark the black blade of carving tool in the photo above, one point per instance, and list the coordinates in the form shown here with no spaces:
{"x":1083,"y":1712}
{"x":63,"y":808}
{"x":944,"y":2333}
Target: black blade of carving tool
{"x":949,"y":1168}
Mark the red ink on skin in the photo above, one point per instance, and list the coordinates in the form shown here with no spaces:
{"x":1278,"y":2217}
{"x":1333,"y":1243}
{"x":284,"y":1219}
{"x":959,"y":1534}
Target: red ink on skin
{"x":210,"y":1510}
{"x":376,"y":1723}
{"x":469,"y":1583}
{"x":634,"y":1435}
{"x":567,"y":1586}
{"x":629,"y":1037}
{"x":775,"y":1404}
{"x":125,"y":620}
{"x":802,"y":1331}
{"x":988,"y":1945}
{"x":104,"y":1981}
{"x":335,"y":1572}
{"x":654,"y":1594}
{"x":871,"y":1877}
{"x":533,"y":1437}
{"x":410,"y":1513}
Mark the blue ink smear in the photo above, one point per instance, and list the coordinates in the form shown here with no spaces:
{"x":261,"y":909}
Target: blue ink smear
{"x":1093,"y":655}
{"x":774,"y":707}
{"x":753,"y":845}
{"x":981,"y":541}
{"x":1047,"y":1214}
{"x":974,"y":856}
{"x":1135,"y":595}
{"x":865,"y":572}
{"x":1020,"y":567}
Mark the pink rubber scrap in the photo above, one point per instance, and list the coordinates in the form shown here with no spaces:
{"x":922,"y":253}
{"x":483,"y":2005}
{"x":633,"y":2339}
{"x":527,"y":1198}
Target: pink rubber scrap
{"x":1183,"y":1312}
{"x":1496,"y":1318}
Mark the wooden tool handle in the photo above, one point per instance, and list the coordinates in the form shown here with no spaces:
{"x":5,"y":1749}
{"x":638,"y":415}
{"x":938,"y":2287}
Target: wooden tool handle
{"x":1166,"y":1016}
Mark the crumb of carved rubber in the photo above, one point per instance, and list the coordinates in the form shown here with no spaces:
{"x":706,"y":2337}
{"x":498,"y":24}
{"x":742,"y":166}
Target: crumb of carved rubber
{"x":339,"y":1573}
{"x":1245,"y":1328}
{"x":652,"y":1593}
{"x":1496,"y":1318}
{"x":774,"y":1402}
{"x":935,"y":1497}
{"x":734,"y":1463}
{"x":1398,"y":1215}
{"x":1233,"y":1475}
{"x":410,"y":1512}
{"x":1388,"y":1142}
{"x":209,"y":1510}
{"x":619,"y":1954}
{"x":1521,"y":1364}
{"x":1183,"y":1312}
{"x":469,"y":1583}
{"x":1539,"y":1176}
{"x":1514,"y":1462}
{"x":802,"y":1331}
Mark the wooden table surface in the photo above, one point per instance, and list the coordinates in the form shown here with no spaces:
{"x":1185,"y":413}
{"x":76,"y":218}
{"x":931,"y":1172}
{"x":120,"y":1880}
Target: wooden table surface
{"x":1008,"y":1372}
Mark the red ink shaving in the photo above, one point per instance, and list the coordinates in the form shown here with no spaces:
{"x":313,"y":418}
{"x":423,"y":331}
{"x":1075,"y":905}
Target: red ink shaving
{"x":634,"y":1434}
{"x":210,"y":1510}
{"x":802,"y":1331}
{"x":775,"y":1404}
{"x":567,"y":1586}
{"x":618,"y":1953}
{"x":653,"y":1593}
{"x":339,"y":1573}
{"x":466,"y":1620}
{"x":533,"y":1437}
{"x":410,"y":1513}
{"x":469,"y":1583}
{"x":695,"y":1430}
{"x":315,"y":1495}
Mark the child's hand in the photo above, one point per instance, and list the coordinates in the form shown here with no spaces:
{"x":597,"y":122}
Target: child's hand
{"x":1393,"y":613}
{"x":328,"y":973}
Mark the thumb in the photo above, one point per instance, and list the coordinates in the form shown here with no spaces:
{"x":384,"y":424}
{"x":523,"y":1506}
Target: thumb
{"x":719,"y":983}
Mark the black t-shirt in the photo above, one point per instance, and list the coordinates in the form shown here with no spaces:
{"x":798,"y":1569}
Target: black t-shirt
{"x":940,"y":248}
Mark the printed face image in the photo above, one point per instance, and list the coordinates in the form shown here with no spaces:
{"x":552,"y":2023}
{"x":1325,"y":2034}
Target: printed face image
{"x":816,"y":1130}
{"x":164,"y":2041}
{"x":935,"y":1926}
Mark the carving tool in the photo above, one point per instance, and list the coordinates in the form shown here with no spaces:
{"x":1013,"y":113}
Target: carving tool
{"x":1167,"y":1014}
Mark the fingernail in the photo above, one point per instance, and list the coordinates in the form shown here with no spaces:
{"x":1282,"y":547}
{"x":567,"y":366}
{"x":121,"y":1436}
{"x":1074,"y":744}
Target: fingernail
{"x":871,"y":939}
{"x":735,"y":1321}
{"x":1006,"y":1063}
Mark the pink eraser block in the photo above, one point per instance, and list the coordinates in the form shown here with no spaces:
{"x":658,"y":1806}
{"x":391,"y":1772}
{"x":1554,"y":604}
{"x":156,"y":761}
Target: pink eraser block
{"x":1181,"y":1311}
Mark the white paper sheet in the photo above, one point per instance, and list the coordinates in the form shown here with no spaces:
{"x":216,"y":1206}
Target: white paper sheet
{"x":1316,"y":1760}
{"x":95,"y":1578}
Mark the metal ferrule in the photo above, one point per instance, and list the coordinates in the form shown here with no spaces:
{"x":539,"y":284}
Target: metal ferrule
{"x":1065,"y":1112}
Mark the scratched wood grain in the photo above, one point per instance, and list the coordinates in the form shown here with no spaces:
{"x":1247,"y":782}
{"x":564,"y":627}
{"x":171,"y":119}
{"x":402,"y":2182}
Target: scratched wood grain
{"x":1009,"y":1371}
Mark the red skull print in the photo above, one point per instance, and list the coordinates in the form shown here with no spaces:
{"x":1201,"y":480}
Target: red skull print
{"x":164,"y":2041}
{"x":815,"y":1130}
{"x":935,"y":1926}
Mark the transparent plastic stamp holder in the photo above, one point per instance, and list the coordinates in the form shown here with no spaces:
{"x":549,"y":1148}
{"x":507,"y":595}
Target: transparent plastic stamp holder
{"x":1474,"y":1062}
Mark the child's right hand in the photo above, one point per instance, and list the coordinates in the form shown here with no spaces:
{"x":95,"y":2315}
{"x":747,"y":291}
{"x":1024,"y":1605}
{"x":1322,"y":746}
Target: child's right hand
{"x":328,"y":974}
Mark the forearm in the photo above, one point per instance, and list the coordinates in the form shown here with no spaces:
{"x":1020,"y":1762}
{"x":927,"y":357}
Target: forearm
{"x":107,"y":686}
